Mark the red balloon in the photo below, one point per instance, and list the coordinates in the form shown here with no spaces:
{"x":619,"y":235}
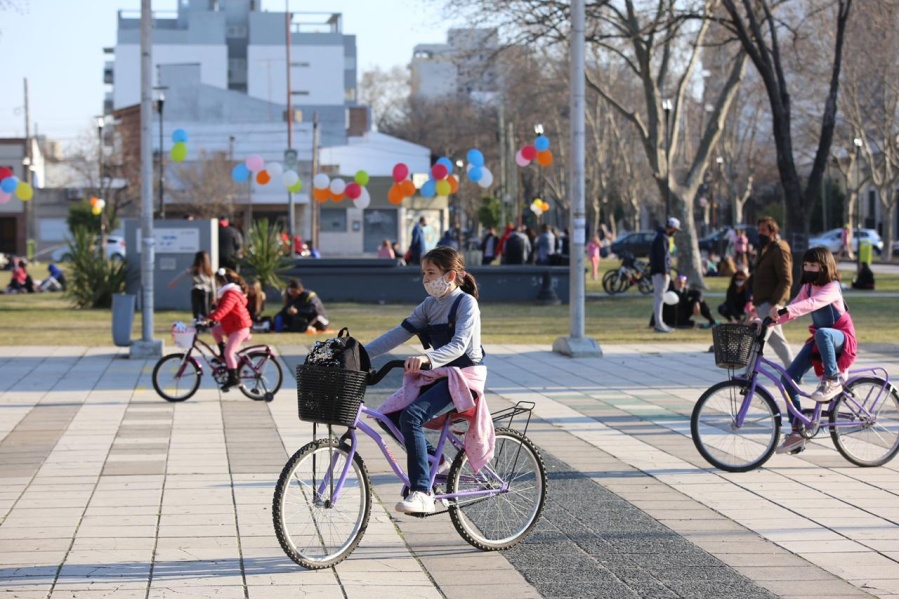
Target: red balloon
{"x":400,"y":172}
{"x":529,"y":152}
{"x":5,"y":172}
{"x":353,"y":190}
{"x":439,"y":172}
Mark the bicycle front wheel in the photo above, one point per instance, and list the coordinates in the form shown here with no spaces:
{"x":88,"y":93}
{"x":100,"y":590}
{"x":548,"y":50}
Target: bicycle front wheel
{"x":644,"y":284}
{"x":865,"y":424}
{"x":500,"y":521}
{"x":315,"y":529}
{"x":260,"y":375}
{"x":610,"y":282}
{"x":176,"y":379}
{"x":716,"y":435}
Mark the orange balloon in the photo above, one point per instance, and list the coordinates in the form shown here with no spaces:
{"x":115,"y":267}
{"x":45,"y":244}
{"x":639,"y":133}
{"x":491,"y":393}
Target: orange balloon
{"x":95,"y":199}
{"x":394,"y":201}
{"x":545,"y":158}
{"x":407,"y":187}
{"x":262,"y":177}
{"x":454,"y":183}
{"x":321,"y":195}
{"x":334,"y":197}
{"x":395,"y":195}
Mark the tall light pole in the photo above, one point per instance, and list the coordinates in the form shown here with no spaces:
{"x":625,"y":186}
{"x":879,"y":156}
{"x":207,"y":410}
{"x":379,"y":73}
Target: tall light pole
{"x":458,"y":202}
{"x":666,"y":106}
{"x":720,"y":162}
{"x":100,"y":123}
{"x":858,"y":205}
{"x":160,"y":103}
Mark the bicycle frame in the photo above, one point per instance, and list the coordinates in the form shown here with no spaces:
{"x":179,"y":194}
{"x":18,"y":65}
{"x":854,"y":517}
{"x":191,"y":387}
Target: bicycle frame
{"x":205,"y":350}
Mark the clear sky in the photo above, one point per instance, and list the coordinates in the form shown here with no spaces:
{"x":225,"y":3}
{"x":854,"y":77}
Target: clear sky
{"x":58,"y":45}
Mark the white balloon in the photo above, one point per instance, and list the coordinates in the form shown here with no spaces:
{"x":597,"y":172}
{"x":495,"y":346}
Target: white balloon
{"x":536,"y":210}
{"x":338,"y":186}
{"x":274,"y":169}
{"x":321,"y":181}
{"x":363,"y":200}
{"x":670,"y":298}
{"x":486,"y":178}
{"x":290,"y":178}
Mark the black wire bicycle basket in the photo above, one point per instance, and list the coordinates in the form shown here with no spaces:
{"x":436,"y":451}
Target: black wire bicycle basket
{"x":329,"y":395}
{"x":733,"y":345}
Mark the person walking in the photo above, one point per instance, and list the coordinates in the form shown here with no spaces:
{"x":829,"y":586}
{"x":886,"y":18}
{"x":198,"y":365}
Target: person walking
{"x":488,"y":246}
{"x":546,"y":245}
{"x":417,"y":246}
{"x":659,"y":268}
{"x":594,"y":246}
{"x":230,"y":245}
{"x":386,"y":250}
{"x":771,"y":281}
{"x":741,"y":249}
{"x":846,"y":243}
{"x":202,"y":284}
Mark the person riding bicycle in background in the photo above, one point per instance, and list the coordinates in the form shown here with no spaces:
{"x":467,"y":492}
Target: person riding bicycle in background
{"x":832,"y":347}
{"x":233,"y":318}
{"x":449,"y":325}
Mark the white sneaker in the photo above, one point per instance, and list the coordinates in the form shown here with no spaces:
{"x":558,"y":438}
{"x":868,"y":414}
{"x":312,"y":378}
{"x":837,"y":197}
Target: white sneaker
{"x":827,"y":390}
{"x":791,"y":443}
{"x":443,"y":466}
{"x":417,"y":502}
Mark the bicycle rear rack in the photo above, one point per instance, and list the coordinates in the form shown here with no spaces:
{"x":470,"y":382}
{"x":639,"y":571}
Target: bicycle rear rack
{"x":509,"y":414}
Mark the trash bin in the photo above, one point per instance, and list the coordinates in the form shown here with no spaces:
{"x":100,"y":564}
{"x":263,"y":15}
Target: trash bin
{"x":122,"y":318}
{"x":865,"y":251}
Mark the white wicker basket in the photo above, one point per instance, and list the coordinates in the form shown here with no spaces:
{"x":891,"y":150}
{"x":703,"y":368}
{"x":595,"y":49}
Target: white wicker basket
{"x":184,"y":339}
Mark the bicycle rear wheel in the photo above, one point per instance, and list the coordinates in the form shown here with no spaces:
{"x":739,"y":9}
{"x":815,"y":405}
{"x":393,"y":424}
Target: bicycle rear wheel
{"x":875,"y":440}
{"x":610,"y":282}
{"x":174,"y":382}
{"x":499,"y":521}
{"x":313,"y":530}
{"x":716,"y":435}
{"x":260,"y":375}
{"x":644,"y":284}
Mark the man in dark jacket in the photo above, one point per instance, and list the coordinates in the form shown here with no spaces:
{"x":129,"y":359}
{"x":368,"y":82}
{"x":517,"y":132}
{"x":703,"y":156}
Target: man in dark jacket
{"x":771,"y":281}
{"x":659,"y":267}
{"x":489,"y":246}
{"x":230,"y":245}
{"x":517,"y":248}
{"x":302,"y":310}
{"x":417,"y":246}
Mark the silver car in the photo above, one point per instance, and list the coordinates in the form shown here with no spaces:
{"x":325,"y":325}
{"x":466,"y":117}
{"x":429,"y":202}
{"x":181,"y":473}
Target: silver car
{"x":831,"y":240}
{"x":115,"y":250}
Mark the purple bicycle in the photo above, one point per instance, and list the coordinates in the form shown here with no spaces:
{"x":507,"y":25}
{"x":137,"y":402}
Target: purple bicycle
{"x":736,"y":423}
{"x":323,"y":498}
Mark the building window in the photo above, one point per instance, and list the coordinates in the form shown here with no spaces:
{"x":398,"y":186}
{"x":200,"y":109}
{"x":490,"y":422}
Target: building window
{"x":332,"y":220}
{"x":350,"y":94}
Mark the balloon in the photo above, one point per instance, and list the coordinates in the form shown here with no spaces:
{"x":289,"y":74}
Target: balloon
{"x":240,"y":173}
{"x":262,"y":177}
{"x":544,"y":206}
{"x":395,"y":194}
{"x":443,"y":188}
{"x":454,"y":183}
{"x":536,"y":210}
{"x":338,"y":187}
{"x":321,"y":181}
{"x":475,"y":157}
{"x":363,"y":200}
{"x":475,"y":174}
{"x":486,"y":178}
{"x":429,"y":189}
{"x":361,"y":178}
{"x":353,"y":190}
{"x":275,"y":169}
{"x":400,"y":172}
{"x":179,"y":136}
{"x":296,"y":187}
{"x":544,"y":158}
{"x":521,"y":160}
{"x":541,"y":144}
{"x":4,"y":197}
{"x":24,"y":191}
{"x":408,"y":188}
{"x":101,"y":204}
{"x":321,"y":195}
{"x":179,"y":151}
{"x":671,"y":298}
{"x":9,"y":184}
{"x":529,"y":152}
{"x":93,"y":201}
{"x":5,"y":172}
{"x":445,"y":162}
{"x":337,"y":197}
{"x":96,"y":210}
{"x":290,"y":178}
{"x":255,"y":163}
{"x":439,"y":172}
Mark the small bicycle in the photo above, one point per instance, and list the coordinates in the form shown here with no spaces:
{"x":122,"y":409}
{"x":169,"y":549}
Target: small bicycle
{"x":631,"y":271}
{"x":176,"y":377}
{"x":322,"y":502}
{"x":736,"y":423}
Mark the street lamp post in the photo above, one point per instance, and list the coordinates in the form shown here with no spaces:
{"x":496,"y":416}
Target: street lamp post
{"x":100,"y":123}
{"x":666,"y":106}
{"x":160,"y":103}
{"x":458,"y":202}
{"x":858,"y":205}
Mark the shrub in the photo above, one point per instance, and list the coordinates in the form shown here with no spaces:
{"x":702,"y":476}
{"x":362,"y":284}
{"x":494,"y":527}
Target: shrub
{"x":93,"y":279}
{"x":265,"y":254}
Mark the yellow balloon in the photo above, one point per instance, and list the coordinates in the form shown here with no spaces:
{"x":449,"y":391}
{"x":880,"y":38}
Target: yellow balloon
{"x":96,"y":210}
{"x":24,"y":191}
{"x":443,"y":187}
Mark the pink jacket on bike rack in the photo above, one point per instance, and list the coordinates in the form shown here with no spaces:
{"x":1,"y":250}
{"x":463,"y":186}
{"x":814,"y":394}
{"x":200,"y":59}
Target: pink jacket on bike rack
{"x":480,"y":437}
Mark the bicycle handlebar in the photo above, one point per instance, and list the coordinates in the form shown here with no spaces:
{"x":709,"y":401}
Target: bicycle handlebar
{"x":375,"y":376}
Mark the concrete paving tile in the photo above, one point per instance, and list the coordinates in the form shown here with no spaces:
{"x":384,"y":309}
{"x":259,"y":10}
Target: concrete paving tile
{"x":199,"y":592}
{"x":99,"y":594}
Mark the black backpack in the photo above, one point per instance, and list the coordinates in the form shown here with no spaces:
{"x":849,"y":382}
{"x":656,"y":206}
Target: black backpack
{"x":343,"y":352}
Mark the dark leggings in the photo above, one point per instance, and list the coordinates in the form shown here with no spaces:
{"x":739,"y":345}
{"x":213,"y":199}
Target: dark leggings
{"x":200,"y":302}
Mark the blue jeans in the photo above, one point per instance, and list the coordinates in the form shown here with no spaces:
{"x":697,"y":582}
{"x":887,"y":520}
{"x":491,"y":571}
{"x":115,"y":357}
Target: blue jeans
{"x":830,"y":342}
{"x":433,"y":402}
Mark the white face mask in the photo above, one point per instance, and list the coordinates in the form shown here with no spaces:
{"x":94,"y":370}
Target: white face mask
{"x":438,"y":287}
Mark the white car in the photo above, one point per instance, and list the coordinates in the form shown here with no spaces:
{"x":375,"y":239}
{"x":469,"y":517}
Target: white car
{"x":115,"y":250}
{"x":831,"y":240}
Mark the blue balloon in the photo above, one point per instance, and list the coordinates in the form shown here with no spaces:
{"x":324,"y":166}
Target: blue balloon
{"x":446,"y":162}
{"x":240,"y":173}
{"x":9,"y":184}
{"x":429,"y":189}
{"x":541,"y":143}
{"x":475,"y":158}
{"x":475,"y":174}
{"x":179,"y":136}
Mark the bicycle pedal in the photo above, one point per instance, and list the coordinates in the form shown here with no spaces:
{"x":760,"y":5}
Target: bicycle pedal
{"x":797,"y":451}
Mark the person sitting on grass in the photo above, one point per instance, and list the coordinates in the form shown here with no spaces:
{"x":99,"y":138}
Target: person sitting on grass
{"x":690,"y":304}
{"x":736,"y":298}
{"x":303,"y":311}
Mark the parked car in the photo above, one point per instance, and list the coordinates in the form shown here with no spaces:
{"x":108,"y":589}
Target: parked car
{"x":831,"y":240}
{"x":115,"y":250}
{"x":714,"y":242}
{"x":637,"y":243}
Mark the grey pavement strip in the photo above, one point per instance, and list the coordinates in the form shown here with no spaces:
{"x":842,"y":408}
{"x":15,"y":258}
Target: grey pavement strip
{"x":24,"y":449}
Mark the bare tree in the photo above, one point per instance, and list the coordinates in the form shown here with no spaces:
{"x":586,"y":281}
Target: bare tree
{"x":206,"y":185}
{"x":386,"y":91}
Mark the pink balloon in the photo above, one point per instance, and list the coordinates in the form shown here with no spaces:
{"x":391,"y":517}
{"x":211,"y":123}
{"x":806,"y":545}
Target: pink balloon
{"x":5,"y":197}
{"x":439,"y":172}
{"x":353,"y":190}
{"x":400,"y":172}
{"x":521,"y":160}
{"x":255,"y":163}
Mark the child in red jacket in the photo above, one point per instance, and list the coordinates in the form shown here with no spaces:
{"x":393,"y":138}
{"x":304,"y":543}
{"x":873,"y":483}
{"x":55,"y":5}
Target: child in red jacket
{"x":233,"y":319}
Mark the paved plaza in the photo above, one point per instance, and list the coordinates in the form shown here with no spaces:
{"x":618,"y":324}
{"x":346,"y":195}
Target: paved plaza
{"x":106,"y":490}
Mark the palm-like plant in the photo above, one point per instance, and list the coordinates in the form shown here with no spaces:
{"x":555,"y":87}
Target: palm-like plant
{"x":94,"y":278}
{"x":265,"y":254}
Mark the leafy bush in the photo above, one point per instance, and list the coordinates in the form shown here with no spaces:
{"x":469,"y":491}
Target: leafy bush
{"x":265,"y":254}
{"x":489,"y":212}
{"x":93,"y":279}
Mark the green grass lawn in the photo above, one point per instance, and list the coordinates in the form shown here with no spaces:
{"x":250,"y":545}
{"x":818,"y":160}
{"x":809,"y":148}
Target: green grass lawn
{"x":48,"y":319}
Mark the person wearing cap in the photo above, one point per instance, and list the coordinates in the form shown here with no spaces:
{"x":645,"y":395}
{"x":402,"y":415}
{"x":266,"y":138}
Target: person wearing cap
{"x":659,"y":267}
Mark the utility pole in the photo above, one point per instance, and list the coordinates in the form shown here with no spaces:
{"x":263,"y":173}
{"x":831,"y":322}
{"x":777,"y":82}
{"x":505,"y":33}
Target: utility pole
{"x":514,"y":176}
{"x":291,"y":215}
{"x":28,"y":207}
{"x":503,"y":164}
{"x":312,"y":203}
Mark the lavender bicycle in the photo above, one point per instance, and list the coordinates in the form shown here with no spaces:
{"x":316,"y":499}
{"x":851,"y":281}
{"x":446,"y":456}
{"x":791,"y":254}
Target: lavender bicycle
{"x":323,"y":498}
{"x":736,"y":423}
